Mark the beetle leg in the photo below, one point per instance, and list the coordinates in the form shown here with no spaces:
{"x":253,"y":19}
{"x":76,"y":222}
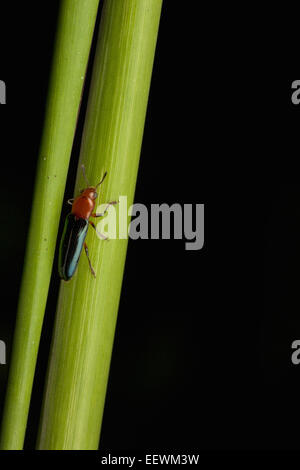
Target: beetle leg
{"x":105,"y":210}
{"x":90,"y":264}
{"x":100,"y":234}
{"x":70,"y":201}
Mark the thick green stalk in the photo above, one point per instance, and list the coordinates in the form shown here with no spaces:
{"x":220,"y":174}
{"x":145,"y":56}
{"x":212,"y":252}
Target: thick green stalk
{"x":73,"y":40}
{"x":87,"y":307}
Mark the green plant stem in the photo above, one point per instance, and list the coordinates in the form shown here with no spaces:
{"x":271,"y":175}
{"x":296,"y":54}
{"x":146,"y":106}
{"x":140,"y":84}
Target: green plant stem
{"x":87,"y":307}
{"x":73,"y":40}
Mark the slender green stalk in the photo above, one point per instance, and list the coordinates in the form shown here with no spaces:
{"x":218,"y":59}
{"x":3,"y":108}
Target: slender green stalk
{"x":87,"y":307}
{"x":73,"y":40}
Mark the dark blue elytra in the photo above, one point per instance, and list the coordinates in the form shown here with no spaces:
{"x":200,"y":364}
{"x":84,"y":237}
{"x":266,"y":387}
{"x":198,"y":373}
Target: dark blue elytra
{"x":71,"y":245}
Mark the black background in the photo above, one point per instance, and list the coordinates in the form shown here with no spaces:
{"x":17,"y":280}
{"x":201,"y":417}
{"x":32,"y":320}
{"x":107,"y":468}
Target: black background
{"x":205,"y":363}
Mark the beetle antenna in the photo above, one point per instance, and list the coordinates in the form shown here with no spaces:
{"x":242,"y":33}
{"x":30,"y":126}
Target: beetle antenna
{"x":101,"y":180}
{"x":84,"y":175}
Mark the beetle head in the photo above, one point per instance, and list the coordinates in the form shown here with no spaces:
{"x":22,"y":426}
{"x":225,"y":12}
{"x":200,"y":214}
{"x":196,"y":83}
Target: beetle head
{"x":90,"y":192}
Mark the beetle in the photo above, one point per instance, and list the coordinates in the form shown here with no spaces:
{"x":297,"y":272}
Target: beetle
{"x":75,"y":229}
